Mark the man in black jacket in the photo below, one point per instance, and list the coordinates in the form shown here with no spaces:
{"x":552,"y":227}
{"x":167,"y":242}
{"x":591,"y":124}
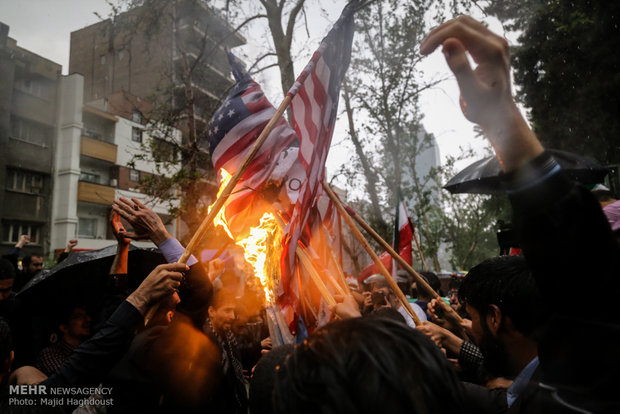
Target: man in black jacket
{"x":564,"y":234}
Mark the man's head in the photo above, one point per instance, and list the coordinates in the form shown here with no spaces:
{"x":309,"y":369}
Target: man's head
{"x":32,"y":264}
{"x":502,"y":299}
{"x":75,"y":325}
{"x":420,"y":293}
{"x":222,"y":310}
{"x":366,"y":365}
{"x":380,"y":289}
{"x":453,"y":294}
{"x":7,"y":278}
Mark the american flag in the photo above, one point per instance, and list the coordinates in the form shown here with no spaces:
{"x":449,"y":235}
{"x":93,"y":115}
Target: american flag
{"x":234,"y":128}
{"x":313,"y":107}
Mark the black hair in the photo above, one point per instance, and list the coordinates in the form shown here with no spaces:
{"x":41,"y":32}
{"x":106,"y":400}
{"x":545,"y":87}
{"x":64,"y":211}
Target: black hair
{"x":387,"y":312}
{"x":504,"y":281}
{"x":7,"y":271}
{"x":455,"y":282}
{"x":432,"y":280}
{"x":26,"y":260}
{"x":263,"y":379}
{"x":367,"y":365}
{"x":222,"y":297}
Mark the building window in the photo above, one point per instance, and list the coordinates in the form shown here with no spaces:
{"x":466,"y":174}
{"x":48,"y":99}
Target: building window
{"x":37,"y":87}
{"x":136,"y":116}
{"x":102,"y":59}
{"x":30,"y":132}
{"x":87,"y":228}
{"x":121,"y":54}
{"x":134,"y":175}
{"x":90,"y":178}
{"x":136,"y":134}
{"x":12,"y":230}
{"x":24,"y":181}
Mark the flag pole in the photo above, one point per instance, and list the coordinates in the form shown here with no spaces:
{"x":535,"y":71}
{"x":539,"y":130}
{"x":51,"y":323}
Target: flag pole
{"x":417,"y":245}
{"x":306,"y":262}
{"x":388,"y":277}
{"x":219,"y":203}
{"x":418,"y":278}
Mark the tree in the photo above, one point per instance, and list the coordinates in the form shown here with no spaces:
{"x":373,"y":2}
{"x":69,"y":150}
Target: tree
{"x":566,"y":65}
{"x":381,"y":102}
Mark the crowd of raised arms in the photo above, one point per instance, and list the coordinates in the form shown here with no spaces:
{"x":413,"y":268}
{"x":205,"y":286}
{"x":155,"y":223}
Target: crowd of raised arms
{"x":523,"y":342}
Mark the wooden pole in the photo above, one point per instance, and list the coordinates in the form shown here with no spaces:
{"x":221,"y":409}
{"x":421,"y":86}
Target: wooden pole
{"x":388,"y":277}
{"x":219,"y":203}
{"x":306,"y":262}
{"x":343,"y":278}
{"x":417,"y":245}
{"x":418,"y":278}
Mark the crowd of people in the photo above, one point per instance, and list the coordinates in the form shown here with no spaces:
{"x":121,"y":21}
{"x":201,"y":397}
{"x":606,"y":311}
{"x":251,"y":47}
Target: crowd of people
{"x":184,"y":341}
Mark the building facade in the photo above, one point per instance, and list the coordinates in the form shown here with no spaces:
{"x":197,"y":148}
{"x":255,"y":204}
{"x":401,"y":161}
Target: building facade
{"x":93,"y":151}
{"x":28,"y":96}
{"x":171,"y":56}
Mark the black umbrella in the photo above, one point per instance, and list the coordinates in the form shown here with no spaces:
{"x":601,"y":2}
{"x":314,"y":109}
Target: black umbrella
{"x":483,"y":176}
{"x":84,"y":277}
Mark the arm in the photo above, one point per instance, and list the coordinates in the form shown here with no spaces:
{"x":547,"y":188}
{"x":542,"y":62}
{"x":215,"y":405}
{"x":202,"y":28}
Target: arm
{"x":119,"y":265}
{"x":13,"y":254}
{"x":92,"y":359}
{"x":148,"y":225}
{"x":68,"y":249}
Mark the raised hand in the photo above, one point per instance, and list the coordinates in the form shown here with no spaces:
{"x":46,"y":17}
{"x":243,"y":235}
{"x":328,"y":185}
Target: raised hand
{"x":118,"y":229}
{"x":486,"y":96}
{"x":162,"y":281}
{"x":70,"y":245}
{"x":145,"y":222}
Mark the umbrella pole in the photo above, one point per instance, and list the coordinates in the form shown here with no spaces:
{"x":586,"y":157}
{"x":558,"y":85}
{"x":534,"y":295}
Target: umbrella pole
{"x":388,"y":277}
{"x":418,"y":278}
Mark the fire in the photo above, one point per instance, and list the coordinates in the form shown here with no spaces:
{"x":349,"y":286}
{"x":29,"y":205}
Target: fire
{"x":260,"y":248}
{"x":220,"y":218}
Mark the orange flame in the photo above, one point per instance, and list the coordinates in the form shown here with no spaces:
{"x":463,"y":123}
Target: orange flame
{"x":260,"y":248}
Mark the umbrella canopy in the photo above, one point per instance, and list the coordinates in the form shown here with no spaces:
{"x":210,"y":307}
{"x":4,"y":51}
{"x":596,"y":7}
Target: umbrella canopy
{"x":483,"y":176}
{"x":84,"y":277}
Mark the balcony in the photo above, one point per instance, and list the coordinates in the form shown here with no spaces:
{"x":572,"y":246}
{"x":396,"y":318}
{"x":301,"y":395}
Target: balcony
{"x":97,"y":149}
{"x":95,"y":193}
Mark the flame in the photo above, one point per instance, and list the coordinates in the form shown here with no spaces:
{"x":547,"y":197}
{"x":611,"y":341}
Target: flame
{"x":261,"y":247}
{"x":220,"y":218}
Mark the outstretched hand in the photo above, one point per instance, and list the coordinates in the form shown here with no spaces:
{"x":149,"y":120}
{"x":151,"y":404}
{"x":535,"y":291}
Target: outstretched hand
{"x":162,"y":281}
{"x":118,"y":229}
{"x":486,"y":96}
{"x":145,"y":222}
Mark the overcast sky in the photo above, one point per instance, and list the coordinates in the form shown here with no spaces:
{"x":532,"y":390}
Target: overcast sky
{"x":44,"y":27}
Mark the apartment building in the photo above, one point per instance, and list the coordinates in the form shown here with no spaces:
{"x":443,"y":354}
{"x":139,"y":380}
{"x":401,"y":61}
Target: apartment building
{"x":28,"y":90}
{"x":94,"y":146}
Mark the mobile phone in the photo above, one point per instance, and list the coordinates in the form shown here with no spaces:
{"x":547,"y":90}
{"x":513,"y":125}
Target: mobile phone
{"x":378,"y":298}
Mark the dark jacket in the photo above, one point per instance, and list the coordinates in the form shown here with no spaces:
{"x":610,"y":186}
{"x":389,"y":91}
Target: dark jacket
{"x":572,"y":254}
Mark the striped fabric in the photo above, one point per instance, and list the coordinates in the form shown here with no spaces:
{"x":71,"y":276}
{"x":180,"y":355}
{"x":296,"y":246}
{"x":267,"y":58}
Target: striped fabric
{"x":313,"y":108}
{"x":233,"y":130}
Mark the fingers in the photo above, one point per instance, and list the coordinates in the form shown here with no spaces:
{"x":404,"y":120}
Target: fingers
{"x":138,"y":203}
{"x":455,"y":55}
{"x":474,"y":35}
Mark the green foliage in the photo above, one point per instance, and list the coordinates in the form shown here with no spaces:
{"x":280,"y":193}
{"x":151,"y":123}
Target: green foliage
{"x":568,"y":68}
